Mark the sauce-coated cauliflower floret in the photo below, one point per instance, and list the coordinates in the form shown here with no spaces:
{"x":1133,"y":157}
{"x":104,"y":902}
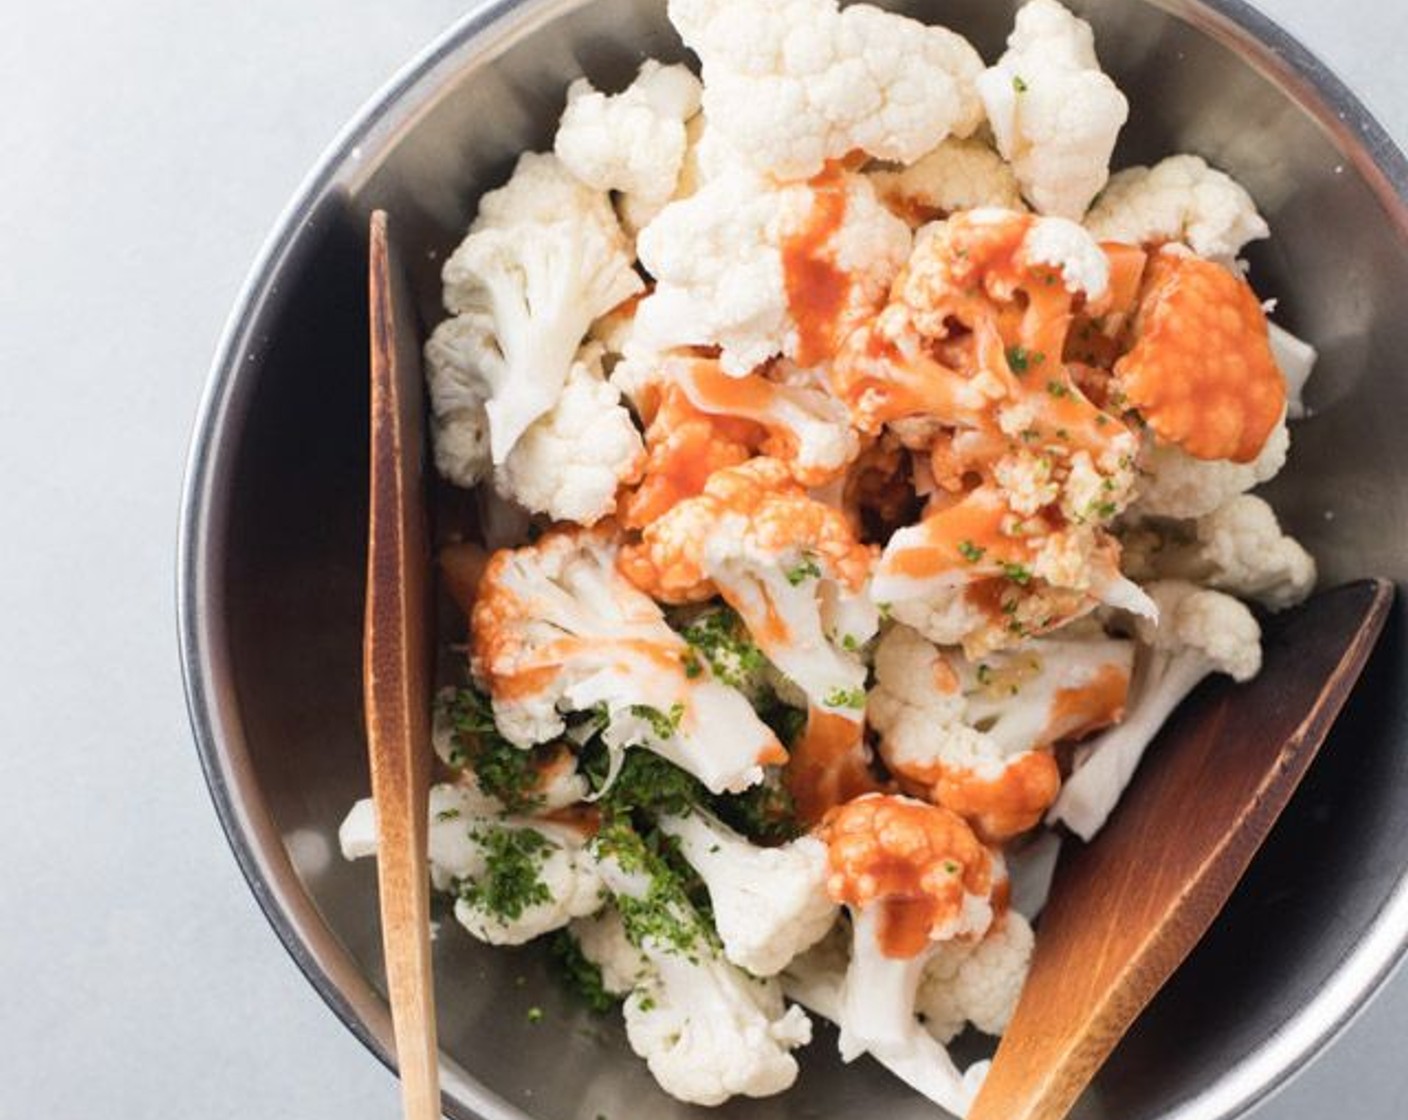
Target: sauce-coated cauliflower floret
{"x":557,"y":629}
{"x":633,"y":142}
{"x":957,"y":175}
{"x":1238,"y":548}
{"x":1200,"y":371}
{"x":570,"y":462}
{"x":514,"y":879}
{"x":807,"y":428}
{"x":789,"y":565}
{"x":1198,"y":632}
{"x":977,"y":983}
{"x":913,"y":877}
{"x":1054,"y":113}
{"x":707,"y":1030}
{"x":1027,"y":470}
{"x":769,"y":904}
{"x":792,"y":84}
{"x":761,"y":270}
{"x":1178,"y":199}
{"x":929,"y":706}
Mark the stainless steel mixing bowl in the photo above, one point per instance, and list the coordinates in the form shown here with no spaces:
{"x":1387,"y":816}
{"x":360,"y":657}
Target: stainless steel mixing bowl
{"x":272,"y":555}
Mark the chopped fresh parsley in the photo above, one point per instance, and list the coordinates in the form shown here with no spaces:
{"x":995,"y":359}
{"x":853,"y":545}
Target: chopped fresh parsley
{"x":984,"y":673}
{"x":970,"y":551}
{"x":845,"y":698}
{"x":1056,"y":389}
{"x":1018,"y":84}
{"x":765,"y":813}
{"x":806,"y":568}
{"x":648,"y":783}
{"x":535,"y":1014}
{"x":1021,"y":359}
{"x":1017,"y":573}
{"x":446,"y":815}
{"x":505,"y":771}
{"x":512,"y":879}
{"x":664,"y":724}
{"x":721,"y":638}
{"x":662,"y":913}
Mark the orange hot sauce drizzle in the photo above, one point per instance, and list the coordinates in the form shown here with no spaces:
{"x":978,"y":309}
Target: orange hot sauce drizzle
{"x":828,"y":766}
{"x":817,"y":290}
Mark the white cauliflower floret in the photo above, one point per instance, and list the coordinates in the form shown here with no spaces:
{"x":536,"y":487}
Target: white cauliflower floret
{"x":929,"y":705}
{"x":769,"y":904}
{"x":457,"y":355}
{"x":542,"y":191}
{"x":957,"y":175}
{"x":540,"y":286}
{"x":603,"y":941}
{"x":792,"y":84}
{"x":707,"y":1030}
{"x":977,"y":983}
{"x":1199,"y":632}
{"x":1296,"y":358}
{"x":1054,"y":114}
{"x":556,"y":628}
{"x":1179,"y":199}
{"x":1238,"y":548}
{"x":515,"y":879}
{"x":717,"y":259}
{"x":633,"y":142}
{"x":1173,"y":483}
{"x":571,"y":461}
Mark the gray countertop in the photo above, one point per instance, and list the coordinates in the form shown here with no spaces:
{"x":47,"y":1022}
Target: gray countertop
{"x":148,"y":146}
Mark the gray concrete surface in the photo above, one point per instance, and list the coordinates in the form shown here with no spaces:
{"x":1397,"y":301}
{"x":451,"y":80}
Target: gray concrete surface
{"x":145,"y":148}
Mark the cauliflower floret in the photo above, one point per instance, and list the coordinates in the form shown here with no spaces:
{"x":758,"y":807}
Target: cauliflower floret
{"x":603,"y":940}
{"x":514,"y":879}
{"x":556,"y":628}
{"x":1296,"y":359}
{"x":769,"y":904}
{"x":707,"y":1030}
{"x":1238,"y":548}
{"x":540,"y":286}
{"x":807,"y":428}
{"x":792,"y":84}
{"x":570,"y":462}
{"x":726,"y":258}
{"x":633,"y":142}
{"x":787,"y":564}
{"x":977,"y":983}
{"x":886,"y":853}
{"x":1054,"y":114}
{"x":957,"y":175}
{"x":1200,"y":371}
{"x":1179,"y":199}
{"x":928,"y":706}
{"x":1199,"y":632}
{"x":457,"y":355}
{"x":542,"y":191}
{"x":1174,"y":484}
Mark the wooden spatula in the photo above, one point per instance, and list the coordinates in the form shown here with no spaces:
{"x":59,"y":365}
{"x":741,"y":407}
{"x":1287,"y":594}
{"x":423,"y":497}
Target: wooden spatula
{"x":1126,"y":909}
{"x":396,"y":675}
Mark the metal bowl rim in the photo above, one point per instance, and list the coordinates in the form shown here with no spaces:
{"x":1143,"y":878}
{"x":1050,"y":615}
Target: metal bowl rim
{"x":1264,"y":1072}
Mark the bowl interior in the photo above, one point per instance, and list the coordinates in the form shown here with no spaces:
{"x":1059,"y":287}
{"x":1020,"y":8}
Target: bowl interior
{"x":279,"y":511}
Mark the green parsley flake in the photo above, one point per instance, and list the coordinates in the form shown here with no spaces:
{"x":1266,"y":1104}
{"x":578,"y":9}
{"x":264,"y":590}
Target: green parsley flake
{"x":1056,"y":389}
{"x":1017,"y":573}
{"x":664,"y":725}
{"x":805,"y":569}
{"x":512,"y":878}
{"x":1021,"y":359}
{"x":535,"y":1014}
{"x":1018,"y":84}
{"x":970,"y":552}
{"x":845,"y":698}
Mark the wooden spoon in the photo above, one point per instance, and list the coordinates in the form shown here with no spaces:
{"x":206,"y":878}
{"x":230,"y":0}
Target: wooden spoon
{"x":1126,"y":909}
{"x":396,"y":675}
